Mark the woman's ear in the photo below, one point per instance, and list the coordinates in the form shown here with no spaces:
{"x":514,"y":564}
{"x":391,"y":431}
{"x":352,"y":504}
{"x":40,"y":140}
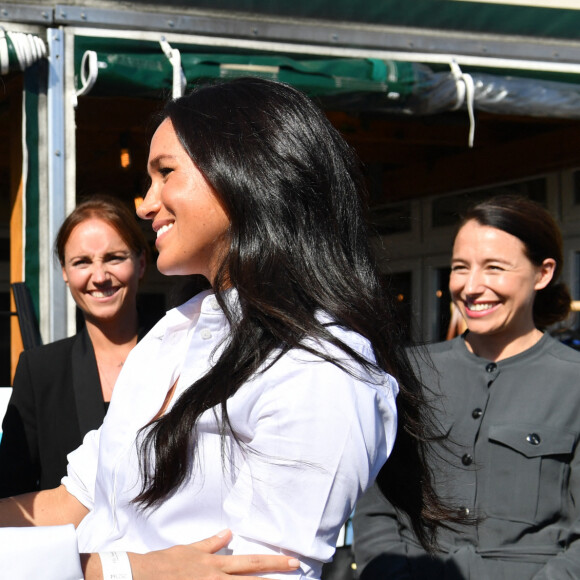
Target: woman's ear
{"x":545,"y":273}
{"x":64,"y":276}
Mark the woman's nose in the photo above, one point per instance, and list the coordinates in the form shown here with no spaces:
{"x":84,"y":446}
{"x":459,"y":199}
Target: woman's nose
{"x":149,"y":206}
{"x":100,"y":273}
{"x":474,"y":282}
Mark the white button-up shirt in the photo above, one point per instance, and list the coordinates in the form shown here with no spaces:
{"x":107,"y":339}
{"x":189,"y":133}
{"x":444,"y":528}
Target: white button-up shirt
{"x":313,"y":439}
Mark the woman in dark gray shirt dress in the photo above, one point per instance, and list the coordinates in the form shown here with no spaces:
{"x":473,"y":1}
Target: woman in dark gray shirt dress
{"x":507,"y":395}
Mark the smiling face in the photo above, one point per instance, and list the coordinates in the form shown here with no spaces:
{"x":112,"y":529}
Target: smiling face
{"x":493,"y":283}
{"x":190,"y":222}
{"x":101,"y":271}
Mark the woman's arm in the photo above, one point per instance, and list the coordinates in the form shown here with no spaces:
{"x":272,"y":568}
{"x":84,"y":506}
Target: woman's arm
{"x":58,"y":507}
{"x":50,"y":552}
{"x":379,"y":549}
{"x":197,"y":560}
{"x":50,"y":507}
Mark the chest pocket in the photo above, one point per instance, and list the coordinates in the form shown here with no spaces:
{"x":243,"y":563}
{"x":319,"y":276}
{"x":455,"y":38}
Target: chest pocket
{"x":527,"y":476}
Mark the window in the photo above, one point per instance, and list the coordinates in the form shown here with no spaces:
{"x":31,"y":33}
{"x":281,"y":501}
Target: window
{"x":445,"y":211}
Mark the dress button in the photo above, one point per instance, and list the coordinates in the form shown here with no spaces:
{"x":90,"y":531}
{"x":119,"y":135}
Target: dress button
{"x":490,"y":367}
{"x":464,"y":511}
{"x":476,"y":413}
{"x":533,"y":439}
{"x":467,"y":459}
{"x":205,"y":334}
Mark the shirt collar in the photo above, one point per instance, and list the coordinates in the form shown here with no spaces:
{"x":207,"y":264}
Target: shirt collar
{"x":182,"y":316}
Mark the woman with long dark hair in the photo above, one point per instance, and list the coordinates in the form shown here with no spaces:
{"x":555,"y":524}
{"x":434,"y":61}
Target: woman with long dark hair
{"x":266,"y":403}
{"x":508,"y":398}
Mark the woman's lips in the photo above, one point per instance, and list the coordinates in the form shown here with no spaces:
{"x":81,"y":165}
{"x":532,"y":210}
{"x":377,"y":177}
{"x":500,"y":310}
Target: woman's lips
{"x":104,"y":293}
{"x":480,"y":309}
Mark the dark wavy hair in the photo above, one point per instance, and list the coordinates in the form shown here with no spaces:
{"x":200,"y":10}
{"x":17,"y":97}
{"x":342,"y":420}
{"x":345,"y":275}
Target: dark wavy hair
{"x":298,"y":244}
{"x":534,"y":226}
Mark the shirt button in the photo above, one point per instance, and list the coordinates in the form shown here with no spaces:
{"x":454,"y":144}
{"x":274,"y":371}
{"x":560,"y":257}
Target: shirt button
{"x":476,"y":413}
{"x":464,"y":511}
{"x":490,"y":367}
{"x":214,"y":305}
{"x":467,"y":459}
{"x":533,"y":439}
{"x":205,"y":334}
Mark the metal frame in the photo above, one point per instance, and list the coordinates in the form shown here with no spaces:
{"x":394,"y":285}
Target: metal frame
{"x":57,"y":327}
{"x":333,"y":34}
{"x":421,"y":44}
{"x":27,"y":13}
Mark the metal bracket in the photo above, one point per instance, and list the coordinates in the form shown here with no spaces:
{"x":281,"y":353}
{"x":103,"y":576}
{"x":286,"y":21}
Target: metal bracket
{"x":26,"y":13}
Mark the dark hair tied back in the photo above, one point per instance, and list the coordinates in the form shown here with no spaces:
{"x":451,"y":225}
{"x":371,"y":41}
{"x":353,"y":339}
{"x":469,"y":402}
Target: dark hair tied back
{"x":533,"y":225}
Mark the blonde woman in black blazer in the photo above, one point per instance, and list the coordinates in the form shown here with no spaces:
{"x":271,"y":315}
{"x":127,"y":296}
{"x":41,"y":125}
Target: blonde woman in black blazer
{"x":61,"y":390}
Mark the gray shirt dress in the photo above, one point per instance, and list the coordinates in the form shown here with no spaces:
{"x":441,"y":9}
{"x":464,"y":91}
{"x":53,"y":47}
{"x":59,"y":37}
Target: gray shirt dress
{"x":511,"y":460}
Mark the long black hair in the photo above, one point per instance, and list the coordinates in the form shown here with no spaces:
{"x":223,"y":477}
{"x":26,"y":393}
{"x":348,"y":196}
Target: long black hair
{"x":298,"y":244}
{"x":535,"y":227}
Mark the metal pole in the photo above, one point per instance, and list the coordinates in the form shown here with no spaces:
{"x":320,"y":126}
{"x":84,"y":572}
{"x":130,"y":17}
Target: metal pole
{"x":56,"y":180}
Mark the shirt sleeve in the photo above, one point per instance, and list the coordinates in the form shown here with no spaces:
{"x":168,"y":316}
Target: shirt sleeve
{"x":82,"y":470}
{"x":49,"y":552}
{"x":320,"y":438}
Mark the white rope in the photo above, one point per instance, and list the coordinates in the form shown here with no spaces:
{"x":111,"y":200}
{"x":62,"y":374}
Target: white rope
{"x":174,"y":57}
{"x":465,"y":93}
{"x":89,"y":72}
{"x":28,"y":48}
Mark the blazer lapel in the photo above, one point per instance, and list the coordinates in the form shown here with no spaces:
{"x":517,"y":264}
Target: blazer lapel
{"x":86,"y":384}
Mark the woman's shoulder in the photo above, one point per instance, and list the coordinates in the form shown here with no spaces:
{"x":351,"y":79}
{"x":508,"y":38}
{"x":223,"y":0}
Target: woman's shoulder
{"x":321,"y":372}
{"x":428,"y":353}
{"x":45,"y":365}
{"x":51,"y":350}
{"x":561,"y":352}
{"x":346,"y":359}
{"x":342,"y":336}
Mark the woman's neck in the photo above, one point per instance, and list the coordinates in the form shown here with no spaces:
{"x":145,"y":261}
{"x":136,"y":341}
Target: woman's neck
{"x":112,"y":341}
{"x":495,"y":348}
{"x":113,"y":332}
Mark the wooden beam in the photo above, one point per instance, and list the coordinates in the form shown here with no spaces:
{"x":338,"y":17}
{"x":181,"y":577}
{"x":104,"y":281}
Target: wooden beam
{"x":16,"y":218}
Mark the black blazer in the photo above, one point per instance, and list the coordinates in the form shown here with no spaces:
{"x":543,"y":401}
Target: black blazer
{"x":55,"y":401}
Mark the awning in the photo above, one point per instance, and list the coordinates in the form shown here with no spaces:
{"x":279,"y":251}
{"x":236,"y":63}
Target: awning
{"x":18,"y":51}
{"x":148,"y":71}
{"x":114,"y":67}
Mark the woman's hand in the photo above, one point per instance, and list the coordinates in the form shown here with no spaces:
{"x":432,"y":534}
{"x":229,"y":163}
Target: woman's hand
{"x":200,"y":561}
